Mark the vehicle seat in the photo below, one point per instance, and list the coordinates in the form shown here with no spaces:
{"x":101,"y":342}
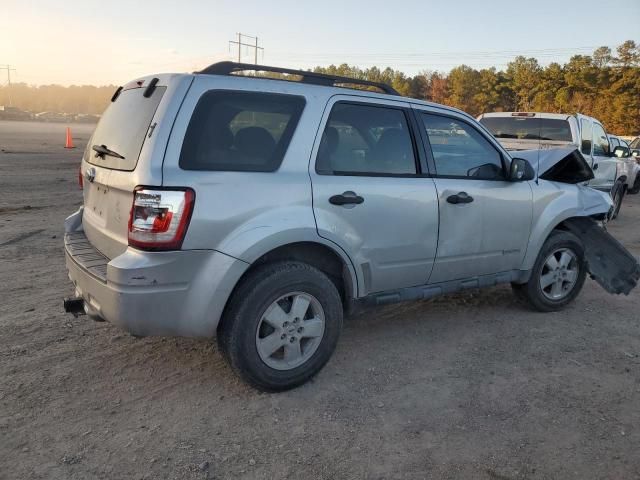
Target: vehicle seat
{"x":328,"y":146}
{"x":393,"y":153}
{"x":255,"y":144}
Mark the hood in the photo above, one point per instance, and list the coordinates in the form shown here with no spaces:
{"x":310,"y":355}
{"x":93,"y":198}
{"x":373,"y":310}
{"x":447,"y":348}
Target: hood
{"x":566,"y":164}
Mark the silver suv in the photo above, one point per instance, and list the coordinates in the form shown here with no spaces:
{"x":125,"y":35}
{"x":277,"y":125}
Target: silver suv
{"x":258,"y":210}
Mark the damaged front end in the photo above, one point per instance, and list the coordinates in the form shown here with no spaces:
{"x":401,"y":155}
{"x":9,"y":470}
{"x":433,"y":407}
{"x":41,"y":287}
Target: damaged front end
{"x":562,"y":177}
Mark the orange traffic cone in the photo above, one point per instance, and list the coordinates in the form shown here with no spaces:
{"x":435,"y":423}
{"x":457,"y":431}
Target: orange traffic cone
{"x":69,"y":142}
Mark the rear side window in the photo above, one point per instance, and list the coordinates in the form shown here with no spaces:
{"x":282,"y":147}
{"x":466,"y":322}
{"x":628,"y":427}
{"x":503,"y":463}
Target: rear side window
{"x":459,"y":150}
{"x":528,"y":128}
{"x":240,"y":131}
{"x":123,"y":128}
{"x":366,"y":140}
{"x":585,"y":144}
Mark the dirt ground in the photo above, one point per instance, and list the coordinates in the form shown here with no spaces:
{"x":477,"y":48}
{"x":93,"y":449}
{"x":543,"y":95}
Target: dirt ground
{"x":464,"y":386}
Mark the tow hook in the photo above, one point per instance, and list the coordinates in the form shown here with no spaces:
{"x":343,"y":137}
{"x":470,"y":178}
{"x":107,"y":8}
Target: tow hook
{"x":74,"y":306}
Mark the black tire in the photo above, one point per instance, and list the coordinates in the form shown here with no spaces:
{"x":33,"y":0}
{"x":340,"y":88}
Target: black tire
{"x":636,"y":186}
{"x":531,"y":293}
{"x":244,"y":313}
{"x":618,"y":196}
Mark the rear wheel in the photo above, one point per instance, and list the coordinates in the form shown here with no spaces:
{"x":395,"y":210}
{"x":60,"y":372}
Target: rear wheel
{"x":282,"y":325}
{"x":558,"y":274}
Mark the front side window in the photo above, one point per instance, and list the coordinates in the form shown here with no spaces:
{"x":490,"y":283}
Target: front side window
{"x":363,"y":139}
{"x":240,"y":131}
{"x":585,"y":136}
{"x":600,"y":142}
{"x":459,"y":150}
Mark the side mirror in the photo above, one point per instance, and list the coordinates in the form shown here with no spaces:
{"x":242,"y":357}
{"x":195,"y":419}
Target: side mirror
{"x":521,"y":170}
{"x":621,"y":152}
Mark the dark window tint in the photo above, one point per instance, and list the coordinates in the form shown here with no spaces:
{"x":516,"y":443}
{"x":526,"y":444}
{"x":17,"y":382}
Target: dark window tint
{"x":123,"y":128}
{"x":240,"y":131}
{"x":585,"y":143}
{"x":600,"y":141}
{"x":459,"y":150}
{"x":528,"y":128}
{"x":361,"y":139}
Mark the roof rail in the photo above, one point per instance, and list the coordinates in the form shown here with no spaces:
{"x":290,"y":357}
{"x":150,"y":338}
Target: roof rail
{"x":227,"y":68}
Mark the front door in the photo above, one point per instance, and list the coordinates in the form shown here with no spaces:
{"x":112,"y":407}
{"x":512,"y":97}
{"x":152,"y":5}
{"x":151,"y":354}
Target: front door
{"x":368,"y":195}
{"x":485,"y":220}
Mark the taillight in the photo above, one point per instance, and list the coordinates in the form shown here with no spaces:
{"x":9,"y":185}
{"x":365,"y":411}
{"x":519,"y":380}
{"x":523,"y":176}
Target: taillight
{"x":159,"y":218}
{"x":80,"y":180}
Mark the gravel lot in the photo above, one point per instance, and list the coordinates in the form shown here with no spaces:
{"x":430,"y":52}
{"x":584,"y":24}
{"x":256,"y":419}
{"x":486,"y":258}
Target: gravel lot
{"x":464,"y":386}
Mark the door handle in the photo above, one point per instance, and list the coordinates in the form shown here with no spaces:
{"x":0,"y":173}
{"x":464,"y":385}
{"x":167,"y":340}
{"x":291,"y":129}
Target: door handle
{"x":346,"y":198}
{"x":461,"y":197}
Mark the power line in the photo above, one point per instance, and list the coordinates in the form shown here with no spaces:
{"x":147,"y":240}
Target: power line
{"x":240,"y":44}
{"x":9,"y":69}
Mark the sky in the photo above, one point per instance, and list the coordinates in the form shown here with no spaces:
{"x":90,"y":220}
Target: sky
{"x":113,"y":41}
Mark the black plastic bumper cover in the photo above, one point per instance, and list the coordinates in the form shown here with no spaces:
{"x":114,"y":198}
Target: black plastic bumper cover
{"x":609,"y":263}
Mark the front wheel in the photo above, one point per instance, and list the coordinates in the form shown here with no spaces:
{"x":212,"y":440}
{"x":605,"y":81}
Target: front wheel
{"x":618,"y":195}
{"x":282,"y":325}
{"x":558,"y":274}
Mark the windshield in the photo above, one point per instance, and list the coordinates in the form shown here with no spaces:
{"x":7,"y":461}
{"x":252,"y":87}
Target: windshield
{"x":528,"y":128}
{"x":635,"y":144}
{"x":123,"y":128}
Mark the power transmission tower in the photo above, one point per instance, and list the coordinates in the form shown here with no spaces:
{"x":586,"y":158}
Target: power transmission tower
{"x":241,"y":44}
{"x":9,"y":70}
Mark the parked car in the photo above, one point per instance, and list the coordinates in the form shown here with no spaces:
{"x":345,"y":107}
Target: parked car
{"x":537,"y":130}
{"x":260,"y":210}
{"x":631,"y":174}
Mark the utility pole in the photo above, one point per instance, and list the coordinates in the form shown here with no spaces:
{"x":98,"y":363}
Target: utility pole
{"x":9,"y":70}
{"x":241,"y":44}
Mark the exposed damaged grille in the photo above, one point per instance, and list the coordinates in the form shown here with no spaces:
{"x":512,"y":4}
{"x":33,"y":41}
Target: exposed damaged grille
{"x":84,"y":254}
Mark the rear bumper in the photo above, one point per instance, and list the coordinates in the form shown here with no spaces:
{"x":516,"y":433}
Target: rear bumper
{"x":178,"y":293}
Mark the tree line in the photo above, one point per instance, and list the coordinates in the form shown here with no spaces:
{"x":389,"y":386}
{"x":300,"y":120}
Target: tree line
{"x":605,"y":85}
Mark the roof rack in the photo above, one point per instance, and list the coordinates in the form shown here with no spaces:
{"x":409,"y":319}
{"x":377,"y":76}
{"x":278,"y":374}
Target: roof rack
{"x":227,"y":68}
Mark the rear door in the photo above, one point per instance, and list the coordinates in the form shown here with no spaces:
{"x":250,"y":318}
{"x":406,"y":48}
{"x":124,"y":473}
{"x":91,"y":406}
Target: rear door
{"x":485,"y":220}
{"x":110,"y":178}
{"x":369,"y":196}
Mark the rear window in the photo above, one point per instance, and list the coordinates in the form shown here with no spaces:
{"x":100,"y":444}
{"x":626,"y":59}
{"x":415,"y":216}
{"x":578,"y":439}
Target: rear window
{"x":529,"y":128}
{"x":123,"y":128}
{"x":240,"y":131}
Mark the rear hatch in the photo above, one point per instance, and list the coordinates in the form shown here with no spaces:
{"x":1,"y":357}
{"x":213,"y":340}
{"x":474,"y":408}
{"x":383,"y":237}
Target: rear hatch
{"x":112,"y":165}
{"x":529,"y":131}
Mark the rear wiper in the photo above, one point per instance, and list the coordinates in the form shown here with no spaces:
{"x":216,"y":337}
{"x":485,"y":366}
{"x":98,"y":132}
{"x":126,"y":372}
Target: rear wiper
{"x":102,"y":150}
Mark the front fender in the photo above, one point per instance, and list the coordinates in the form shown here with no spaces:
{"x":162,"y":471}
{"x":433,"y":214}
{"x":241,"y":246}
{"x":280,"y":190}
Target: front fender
{"x":554,"y":202}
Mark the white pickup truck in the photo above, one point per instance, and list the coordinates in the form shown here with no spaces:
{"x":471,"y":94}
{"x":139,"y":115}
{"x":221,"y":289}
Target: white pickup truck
{"x":632,"y":163}
{"x":540,"y":131}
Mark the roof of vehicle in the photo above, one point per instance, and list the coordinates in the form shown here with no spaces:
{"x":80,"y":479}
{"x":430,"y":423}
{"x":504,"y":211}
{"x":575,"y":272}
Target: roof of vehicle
{"x":335,"y":83}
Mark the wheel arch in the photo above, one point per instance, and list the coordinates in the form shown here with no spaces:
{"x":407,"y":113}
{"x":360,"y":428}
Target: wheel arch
{"x":328,"y":259}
